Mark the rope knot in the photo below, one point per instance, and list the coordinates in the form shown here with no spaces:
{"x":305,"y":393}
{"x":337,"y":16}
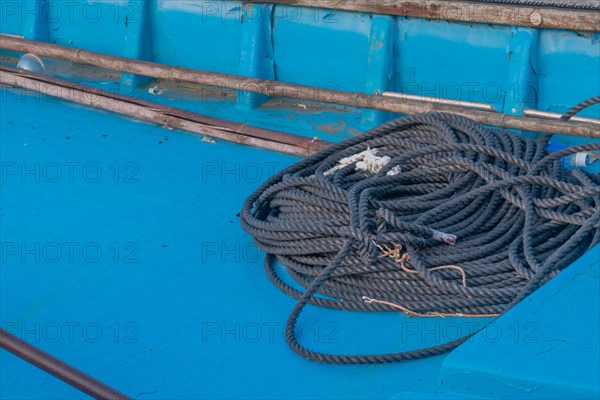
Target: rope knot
{"x":366,"y":160}
{"x":366,"y":246}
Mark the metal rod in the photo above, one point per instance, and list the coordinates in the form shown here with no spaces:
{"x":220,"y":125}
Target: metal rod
{"x":276,"y":88}
{"x":546,"y":114}
{"x":166,"y":116}
{"x":58,"y":368}
{"x":460,"y":103}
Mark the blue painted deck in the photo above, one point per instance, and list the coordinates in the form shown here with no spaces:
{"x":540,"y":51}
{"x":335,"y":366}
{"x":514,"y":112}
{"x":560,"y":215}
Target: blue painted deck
{"x":177,"y":305}
{"x":122,"y":253}
{"x":196,"y":315}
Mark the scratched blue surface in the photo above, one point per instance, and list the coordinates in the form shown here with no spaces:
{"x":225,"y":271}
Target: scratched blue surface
{"x":196,"y":316}
{"x":176,"y":304}
{"x":546,"y":348}
{"x":183,"y":308}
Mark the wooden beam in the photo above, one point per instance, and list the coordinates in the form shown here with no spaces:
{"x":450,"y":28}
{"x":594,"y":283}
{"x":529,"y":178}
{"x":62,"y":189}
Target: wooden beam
{"x":463,"y":11}
{"x":282,"y":89}
{"x":163,"y":115}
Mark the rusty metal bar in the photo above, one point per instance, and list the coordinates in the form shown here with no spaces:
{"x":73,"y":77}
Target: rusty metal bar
{"x":463,"y":11}
{"x":282,"y":89}
{"x":58,"y":368}
{"x":166,"y":116}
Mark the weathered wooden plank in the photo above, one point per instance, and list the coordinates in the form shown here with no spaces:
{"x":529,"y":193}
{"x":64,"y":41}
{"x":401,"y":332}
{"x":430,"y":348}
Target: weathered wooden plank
{"x":464,"y":11}
{"x":171,"y":117}
{"x":283,"y":89}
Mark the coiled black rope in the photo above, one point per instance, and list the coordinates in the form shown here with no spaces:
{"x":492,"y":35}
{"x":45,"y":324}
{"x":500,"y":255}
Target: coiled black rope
{"x":382,"y":240}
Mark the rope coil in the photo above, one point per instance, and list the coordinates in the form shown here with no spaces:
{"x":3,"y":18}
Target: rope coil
{"x":474,"y":221}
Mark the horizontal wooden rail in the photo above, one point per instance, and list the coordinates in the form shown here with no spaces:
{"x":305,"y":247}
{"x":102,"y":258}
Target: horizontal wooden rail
{"x":165,"y":116}
{"x":463,"y":11}
{"x":282,"y":89}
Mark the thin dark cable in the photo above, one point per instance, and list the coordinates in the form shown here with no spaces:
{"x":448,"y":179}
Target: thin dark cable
{"x":58,"y":368}
{"x":580,"y":107}
{"x":381,"y":239}
{"x":581,"y":5}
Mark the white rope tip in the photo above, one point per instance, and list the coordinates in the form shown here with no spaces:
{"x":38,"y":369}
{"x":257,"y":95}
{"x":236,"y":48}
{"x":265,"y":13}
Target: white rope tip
{"x":367,"y":300}
{"x":447,"y":238}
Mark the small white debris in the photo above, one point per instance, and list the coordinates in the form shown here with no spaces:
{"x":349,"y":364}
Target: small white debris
{"x":155,"y":91}
{"x":394,"y":171}
{"x":208,"y":140}
{"x":303,"y":106}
